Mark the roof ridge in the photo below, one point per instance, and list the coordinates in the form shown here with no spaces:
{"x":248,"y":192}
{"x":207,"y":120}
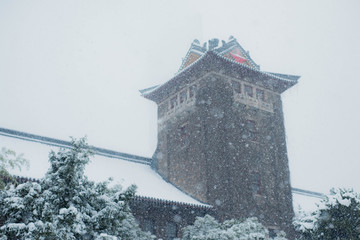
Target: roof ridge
{"x":67,"y":144}
{"x":258,"y":70}
{"x":195,"y":44}
{"x":214,"y":53}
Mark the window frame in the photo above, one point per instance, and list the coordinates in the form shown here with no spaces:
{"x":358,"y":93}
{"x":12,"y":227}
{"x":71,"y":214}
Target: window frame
{"x":183,"y":96}
{"x":149,"y":225}
{"x":192,"y":91}
{"x":251,"y":132}
{"x":171,"y":233}
{"x":174,"y":102}
{"x":255,"y":182}
{"x":249,"y":93}
{"x":261,"y":93}
{"x":236,"y":86}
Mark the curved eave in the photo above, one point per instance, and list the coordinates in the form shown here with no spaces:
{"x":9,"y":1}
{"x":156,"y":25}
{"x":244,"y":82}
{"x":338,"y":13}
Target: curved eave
{"x":146,"y":90}
{"x":280,"y":81}
{"x":154,"y":91}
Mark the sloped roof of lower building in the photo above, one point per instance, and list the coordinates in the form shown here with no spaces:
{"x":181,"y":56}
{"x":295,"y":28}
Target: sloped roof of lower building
{"x":125,"y":169}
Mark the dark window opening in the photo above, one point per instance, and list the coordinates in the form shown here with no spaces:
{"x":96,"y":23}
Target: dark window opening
{"x":249,"y":91}
{"x":171,"y":231}
{"x":236,"y":86}
{"x":183,"y":96}
{"x":183,"y":132}
{"x":251,"y":131}
{"x":272,"y":233}
{"x":183,"y":135}
{"x":255,"y":182}
{"x":192,"y":91}
{"x":149,"y":226}
{"x":260,"y":94}
{"x":173,"y":102}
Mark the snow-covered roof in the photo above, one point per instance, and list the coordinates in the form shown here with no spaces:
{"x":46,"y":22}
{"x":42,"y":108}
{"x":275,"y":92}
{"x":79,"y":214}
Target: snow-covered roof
{"x":303,"y":202}
{"x":125,"y":169}
{"x":121,"y":169}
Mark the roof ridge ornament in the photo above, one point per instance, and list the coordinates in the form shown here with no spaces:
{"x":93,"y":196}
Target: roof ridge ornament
{"x":227,"y":49}
{"x":213,"y":43}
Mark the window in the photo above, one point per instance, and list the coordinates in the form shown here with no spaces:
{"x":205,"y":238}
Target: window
{"x":149,"y":226}
{"x":236,"y":86}
{"x":183,"y":96}
{"x":250,"y":130}
{"x":249,"y":91}
{"x":272,"y":233}
{"x":183,"y":132}
{"x":171,"y":231}
{"x":173,"y":102}
{"x":183,"y":135}
{"x":260,"y":94}
{"x":192,"y":91}
{"x":255,"y":182}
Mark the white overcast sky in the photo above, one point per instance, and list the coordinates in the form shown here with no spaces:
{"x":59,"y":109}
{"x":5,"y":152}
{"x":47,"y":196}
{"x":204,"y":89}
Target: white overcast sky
{"x":74,"y":68}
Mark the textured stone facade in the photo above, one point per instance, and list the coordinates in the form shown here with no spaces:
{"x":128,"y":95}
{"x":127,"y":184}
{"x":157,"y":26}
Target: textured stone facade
{"x":224,"y":143}
{"x":221,"y":135}
{"x":165,"y":219}
{"x":207,"y":150}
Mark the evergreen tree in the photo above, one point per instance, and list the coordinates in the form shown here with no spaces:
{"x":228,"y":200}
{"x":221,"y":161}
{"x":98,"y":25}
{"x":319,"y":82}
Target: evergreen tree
{"x":66,"y":205}
{"x":337,"y":217}
{"x":8,"y":161}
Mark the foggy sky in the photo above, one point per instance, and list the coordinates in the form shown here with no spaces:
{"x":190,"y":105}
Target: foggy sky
{"x":74,"y":68}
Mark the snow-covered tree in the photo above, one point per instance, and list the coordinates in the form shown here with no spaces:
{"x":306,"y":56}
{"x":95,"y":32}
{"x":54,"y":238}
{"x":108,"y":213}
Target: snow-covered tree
{"x":337,"y":217}
{"x":66,"y":205}
{"x":208,"y":228}
{"x":8,"y":161}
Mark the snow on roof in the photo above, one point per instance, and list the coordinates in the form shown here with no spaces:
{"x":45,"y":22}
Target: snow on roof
{"x":304,"y":203}
{"x":118,"y":166}
{"x":148,"y":182}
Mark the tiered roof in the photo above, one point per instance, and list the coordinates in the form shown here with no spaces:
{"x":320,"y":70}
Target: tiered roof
{"x":230,"y":56}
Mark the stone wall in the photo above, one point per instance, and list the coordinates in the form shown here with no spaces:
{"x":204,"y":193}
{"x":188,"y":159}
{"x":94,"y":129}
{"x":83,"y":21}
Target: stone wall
{"x":226,"y":151}
{"x":166,"y":219}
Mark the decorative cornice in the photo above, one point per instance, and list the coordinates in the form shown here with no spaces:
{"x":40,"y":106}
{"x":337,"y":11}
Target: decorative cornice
{"x":211,"y":56}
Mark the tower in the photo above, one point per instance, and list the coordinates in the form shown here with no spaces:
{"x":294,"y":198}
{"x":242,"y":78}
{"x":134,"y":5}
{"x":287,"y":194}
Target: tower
{"x":221,"y":134}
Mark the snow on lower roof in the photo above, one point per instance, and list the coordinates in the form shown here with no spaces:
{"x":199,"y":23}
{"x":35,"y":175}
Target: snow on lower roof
{"x":304,"y":203}
{"x":148,"y":182}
